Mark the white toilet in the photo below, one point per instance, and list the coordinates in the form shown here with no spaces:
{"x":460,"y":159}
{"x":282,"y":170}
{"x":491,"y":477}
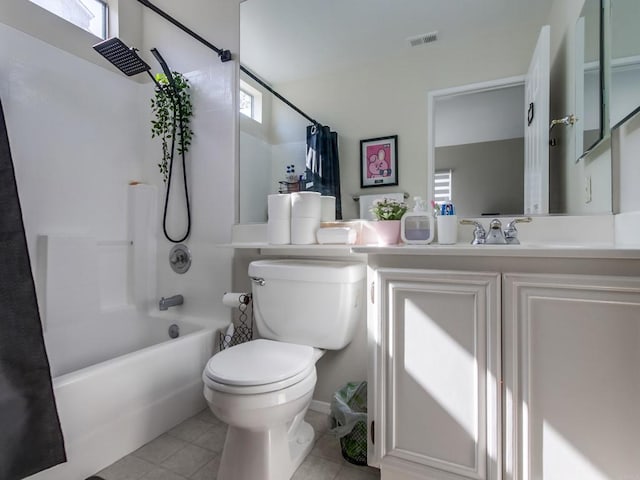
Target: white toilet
{"x":262,"y":388}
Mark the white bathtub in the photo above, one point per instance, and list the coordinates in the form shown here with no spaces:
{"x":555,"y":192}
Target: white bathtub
{"x":119,"y":382}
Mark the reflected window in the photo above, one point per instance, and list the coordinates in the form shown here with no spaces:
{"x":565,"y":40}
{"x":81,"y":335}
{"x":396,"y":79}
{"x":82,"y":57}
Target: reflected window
{"x":250,"y":101}
{"x":442,"y":186}
{"x":90,"y":15}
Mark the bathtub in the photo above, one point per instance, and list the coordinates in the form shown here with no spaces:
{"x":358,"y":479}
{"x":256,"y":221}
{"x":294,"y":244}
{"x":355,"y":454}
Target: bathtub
{"x":119,"y":382}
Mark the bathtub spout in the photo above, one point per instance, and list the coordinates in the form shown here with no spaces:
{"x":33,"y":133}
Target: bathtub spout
{"x":165,"y":303}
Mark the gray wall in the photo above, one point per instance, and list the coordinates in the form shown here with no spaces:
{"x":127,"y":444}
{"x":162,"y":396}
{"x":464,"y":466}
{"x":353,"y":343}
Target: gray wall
{"x":488,"y":177}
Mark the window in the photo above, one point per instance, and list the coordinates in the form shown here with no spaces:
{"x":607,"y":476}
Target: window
{"x":246,"y":103}
{"x":442,"y":186}
{"x":90,"y":15}
{"x":250,"y":101}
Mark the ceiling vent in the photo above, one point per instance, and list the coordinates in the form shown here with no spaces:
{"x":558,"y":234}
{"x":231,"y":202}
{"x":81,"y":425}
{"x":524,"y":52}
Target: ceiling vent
{"x":423,"y":39}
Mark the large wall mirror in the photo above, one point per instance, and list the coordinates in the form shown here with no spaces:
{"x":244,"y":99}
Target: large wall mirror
{"x":353,"y":68}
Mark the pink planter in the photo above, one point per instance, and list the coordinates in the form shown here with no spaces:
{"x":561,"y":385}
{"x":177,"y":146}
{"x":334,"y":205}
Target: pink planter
{"x":388,"y":231}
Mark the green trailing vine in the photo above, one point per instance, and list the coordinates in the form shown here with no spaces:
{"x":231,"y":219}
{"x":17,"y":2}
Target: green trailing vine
{"x":167,"y":120}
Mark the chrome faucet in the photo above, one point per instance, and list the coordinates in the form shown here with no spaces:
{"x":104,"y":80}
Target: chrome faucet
{"x":165,"y":303}
{"x":479,"y":233}
{"x":511,"y":233}
{"x":495,"y":235}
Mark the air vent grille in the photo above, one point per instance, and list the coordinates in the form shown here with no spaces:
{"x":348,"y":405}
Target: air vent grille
{"x":423,"y":39}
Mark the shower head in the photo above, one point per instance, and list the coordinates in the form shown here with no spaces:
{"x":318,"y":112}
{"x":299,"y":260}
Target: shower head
{"x":124,"y":58}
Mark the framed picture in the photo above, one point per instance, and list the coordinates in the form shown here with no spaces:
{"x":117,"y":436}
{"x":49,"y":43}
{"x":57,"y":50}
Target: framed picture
{"x":379,"y":162}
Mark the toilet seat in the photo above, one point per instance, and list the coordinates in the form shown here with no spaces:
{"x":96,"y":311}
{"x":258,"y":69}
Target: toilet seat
{"x":259,"y":366}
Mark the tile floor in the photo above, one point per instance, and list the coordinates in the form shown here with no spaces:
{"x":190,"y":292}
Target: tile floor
{"x":191,"y":451}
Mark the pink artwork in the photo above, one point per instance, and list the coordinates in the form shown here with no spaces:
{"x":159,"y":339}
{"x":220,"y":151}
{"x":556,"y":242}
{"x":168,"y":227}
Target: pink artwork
{"x":379,"y":161}
{"x":378,"y":157}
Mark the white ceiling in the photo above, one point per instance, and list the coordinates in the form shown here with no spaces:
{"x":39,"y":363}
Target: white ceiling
{"x":285,"y":40}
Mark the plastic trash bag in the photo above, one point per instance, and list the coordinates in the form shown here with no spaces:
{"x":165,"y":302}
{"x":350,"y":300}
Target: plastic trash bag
{"x":349,"y":419}
{"x":348,"y":407}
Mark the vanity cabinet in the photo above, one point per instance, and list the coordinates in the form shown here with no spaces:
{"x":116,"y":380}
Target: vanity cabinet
{"x":571,"y":366}
{"x":435,"y":342}
{"x":504,"y":376}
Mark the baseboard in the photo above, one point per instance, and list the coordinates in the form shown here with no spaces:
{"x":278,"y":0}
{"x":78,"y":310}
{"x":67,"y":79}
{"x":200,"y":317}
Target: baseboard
{"x":320,"y":407}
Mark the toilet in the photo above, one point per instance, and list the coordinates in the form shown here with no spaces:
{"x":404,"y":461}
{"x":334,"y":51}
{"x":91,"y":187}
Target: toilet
{"x":262,"y":388}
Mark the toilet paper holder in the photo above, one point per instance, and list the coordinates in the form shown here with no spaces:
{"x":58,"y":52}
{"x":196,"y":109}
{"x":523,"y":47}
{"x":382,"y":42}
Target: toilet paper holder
{"x":242,"y":330}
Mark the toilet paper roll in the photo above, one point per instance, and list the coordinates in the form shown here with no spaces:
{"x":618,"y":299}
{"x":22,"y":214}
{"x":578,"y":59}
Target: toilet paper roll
{"x":279,"y":206}
{"x":303,"y":230}
{"x":235,"y":299}
{"x":279,"y":231}
{"x":328,"y":208}
{"x":306,"y":204}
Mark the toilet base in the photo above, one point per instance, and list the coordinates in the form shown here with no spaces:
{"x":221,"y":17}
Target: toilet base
{"x":273,"y":454}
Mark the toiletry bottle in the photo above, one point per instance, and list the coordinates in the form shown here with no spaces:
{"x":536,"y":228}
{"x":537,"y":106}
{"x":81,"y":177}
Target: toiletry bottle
{"x":417,"y":227}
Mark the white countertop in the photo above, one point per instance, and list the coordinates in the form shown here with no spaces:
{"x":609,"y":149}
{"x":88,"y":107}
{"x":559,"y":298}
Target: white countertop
{"x":545,"y":237}
{"x":460,"y":249}
{"x":525,"y":250}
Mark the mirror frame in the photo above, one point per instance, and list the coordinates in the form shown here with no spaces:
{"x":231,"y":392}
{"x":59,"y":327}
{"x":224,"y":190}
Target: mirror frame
{"x":605,"y":75}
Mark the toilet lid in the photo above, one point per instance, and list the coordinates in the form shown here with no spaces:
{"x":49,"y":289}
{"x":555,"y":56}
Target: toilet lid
{"x":259,"y":362}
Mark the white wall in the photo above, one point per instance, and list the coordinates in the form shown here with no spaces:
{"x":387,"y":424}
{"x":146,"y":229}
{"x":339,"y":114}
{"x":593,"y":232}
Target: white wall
{"x":75,"y":132}
{"x":79,"y":133}
{"x":265,"y":154}
{"x":480,"y":116}
{"x":255,"y":167}
{"x":212,"y":159}
{"x":569,"y":193}
{"x":487,"y":177}
{"x":627,"y":154}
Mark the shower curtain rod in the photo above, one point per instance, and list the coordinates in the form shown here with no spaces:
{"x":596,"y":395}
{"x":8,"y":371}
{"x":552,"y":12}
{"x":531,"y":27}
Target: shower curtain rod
{"x":276,"y":94}
{"x":225,"y":56}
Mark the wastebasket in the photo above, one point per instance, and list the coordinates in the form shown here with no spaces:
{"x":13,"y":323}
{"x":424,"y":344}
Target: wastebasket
{"x":349,"y":419}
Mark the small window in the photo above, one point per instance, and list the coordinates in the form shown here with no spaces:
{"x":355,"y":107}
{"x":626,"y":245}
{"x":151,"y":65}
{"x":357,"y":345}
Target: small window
{"x":90,"y":15}
{"x":250,"y":101}
{"x":246,"y":103}
{"x":442,"y":186}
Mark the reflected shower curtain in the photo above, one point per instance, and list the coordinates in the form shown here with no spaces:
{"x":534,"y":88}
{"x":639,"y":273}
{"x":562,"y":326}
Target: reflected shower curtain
{"x":323,"y":163}
{"x":30,"y":436}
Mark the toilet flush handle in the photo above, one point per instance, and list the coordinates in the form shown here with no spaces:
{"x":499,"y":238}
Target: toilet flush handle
{"x":258,"y":280}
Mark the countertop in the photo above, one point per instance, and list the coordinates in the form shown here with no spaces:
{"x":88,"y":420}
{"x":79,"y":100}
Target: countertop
{"x":541,"y":250}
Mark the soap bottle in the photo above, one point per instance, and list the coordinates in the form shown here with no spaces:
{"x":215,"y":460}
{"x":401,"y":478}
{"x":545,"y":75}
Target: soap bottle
{"x":417,"y":227}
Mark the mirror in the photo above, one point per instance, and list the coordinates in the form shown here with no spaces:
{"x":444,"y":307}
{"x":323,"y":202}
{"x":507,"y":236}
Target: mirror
{"x":479,"y":163}
{"x":588,"y":78}
{"x":624,"y":93}
{"x":365,"y":80}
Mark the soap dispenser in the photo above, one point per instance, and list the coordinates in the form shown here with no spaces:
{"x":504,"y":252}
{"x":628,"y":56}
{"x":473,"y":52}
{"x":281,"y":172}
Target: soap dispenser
{"x":417,"y":227}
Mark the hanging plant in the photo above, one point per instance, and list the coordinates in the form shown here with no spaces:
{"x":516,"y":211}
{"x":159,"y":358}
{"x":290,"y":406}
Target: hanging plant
{"x":167,"y":121}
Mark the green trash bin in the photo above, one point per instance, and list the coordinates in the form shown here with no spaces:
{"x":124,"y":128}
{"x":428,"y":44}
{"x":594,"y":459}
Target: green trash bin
{"x":349,"y":419}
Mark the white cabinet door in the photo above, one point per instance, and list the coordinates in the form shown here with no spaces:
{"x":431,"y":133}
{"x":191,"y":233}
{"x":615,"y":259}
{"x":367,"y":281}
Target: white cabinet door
{"x":572,"y":377}
{"x":436,"y":343}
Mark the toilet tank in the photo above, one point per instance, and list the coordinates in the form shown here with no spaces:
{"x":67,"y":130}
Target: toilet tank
{"x":308,"y":302}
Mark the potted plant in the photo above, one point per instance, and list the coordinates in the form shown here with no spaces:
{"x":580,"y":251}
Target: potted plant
{"x":172,"y":117}
{"x":388,"y":213}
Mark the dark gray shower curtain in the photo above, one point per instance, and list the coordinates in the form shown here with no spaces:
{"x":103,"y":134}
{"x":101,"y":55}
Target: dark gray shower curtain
{"x":30,"y":435}
{"x":323,"y":163}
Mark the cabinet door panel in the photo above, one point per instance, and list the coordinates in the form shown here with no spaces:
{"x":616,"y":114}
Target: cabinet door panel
{"x":440,"y":341}
{"x":572,"y":350}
